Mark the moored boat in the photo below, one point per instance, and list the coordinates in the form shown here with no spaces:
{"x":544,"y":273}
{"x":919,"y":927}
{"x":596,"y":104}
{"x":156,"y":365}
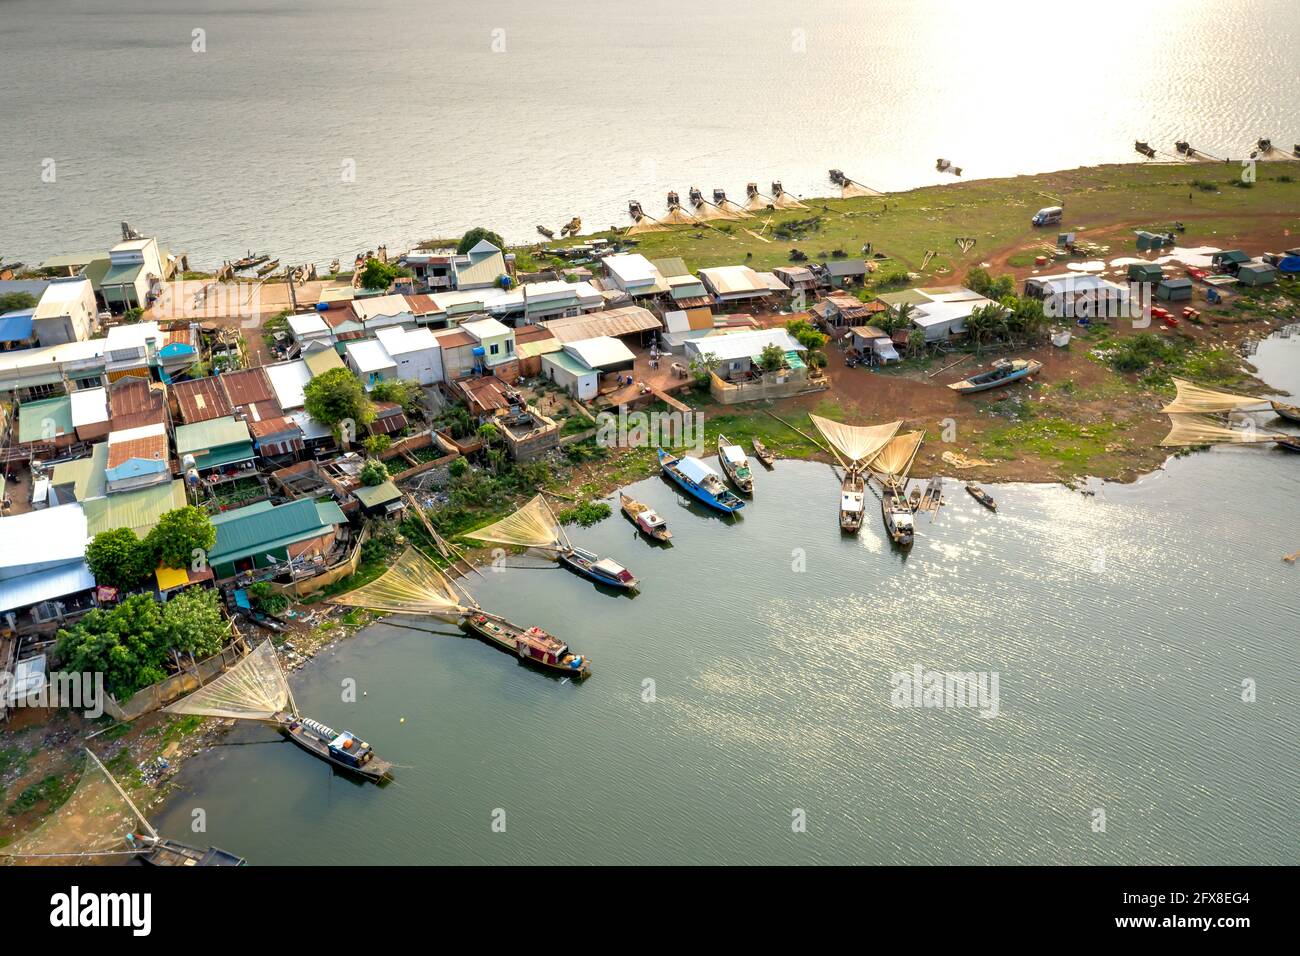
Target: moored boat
{"x":340,"y":748}
{"x":982,"y":496}
{"x":1290,"y":412}
{"x":736,"y":465}
{"x":852,"y":496}
{"x":174,"y":853}
{"x":699,"y":481}
{"x":248,"y":261}
{"x":646,"y":519}
{"x":530,"y":644}
{"x":900,"y":519}
{"x":1004,"y":372}
{"x":601,"y":570}
{"x":763,"y":454}
{"x":1291,"y":443}
{"x":270,"y":267}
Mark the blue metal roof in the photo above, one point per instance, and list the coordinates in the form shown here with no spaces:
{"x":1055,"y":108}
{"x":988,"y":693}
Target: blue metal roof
{"x":16,"y":326}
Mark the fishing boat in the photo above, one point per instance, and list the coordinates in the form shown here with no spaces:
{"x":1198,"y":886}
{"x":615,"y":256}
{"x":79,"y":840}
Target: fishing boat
{"x":1145,"y":149}
{"x":853,"y":492}
{"x":644,"y":517}
{"x":342,"y":749}
{"x":891,"y":467}
{"x":535,"y":526}
{"x":174,"y":853}
{"x":1290,"y":412}
{"x":601,"y":570}
{"x":1003,"y":372}
{"x":982,"y":496}
{"x":1290,"y":443}
{"x":854,"y":446}
{"x":699,"y":481}
{"x":548,"y":233}
{"x":414,"y":586}
{"x":267,"y":269}
{"x":248,"y":261}
{"x":256,"y":689}
{"x":762,"y":453}
{"x":736,"y":465}
{"x":899,"y":517}
{"x":530,"y":644}
{"x":334,"y":267}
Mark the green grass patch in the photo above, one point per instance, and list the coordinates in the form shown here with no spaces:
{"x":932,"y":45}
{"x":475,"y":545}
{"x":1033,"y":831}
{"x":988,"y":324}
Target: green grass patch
{"x":1052,"y":439}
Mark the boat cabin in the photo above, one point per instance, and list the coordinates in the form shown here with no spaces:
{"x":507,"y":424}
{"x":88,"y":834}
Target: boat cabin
{"x":350,"y":749}
{"x":650,"y":522}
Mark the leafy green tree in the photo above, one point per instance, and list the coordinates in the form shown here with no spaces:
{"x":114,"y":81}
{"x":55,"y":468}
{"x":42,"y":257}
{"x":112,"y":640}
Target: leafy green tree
{"x":179,"y":534}
{"x":488,"y":432}
{"x":336,"y":396}
{"x":806,"y":334}
{"x":119,"y":559}
{"x":477,"y":235}
{"x":194,"y":623}
{"x":399,"y":391}
{"x":380,"y":275}
{"x":376,"y":445}
{"x":979,"y":280}
{"x":373,"y":473}
{"x":128,"y":645}
{"x":772,"y":358}
{"x":10,"y":301}
{"x":458,"y":467}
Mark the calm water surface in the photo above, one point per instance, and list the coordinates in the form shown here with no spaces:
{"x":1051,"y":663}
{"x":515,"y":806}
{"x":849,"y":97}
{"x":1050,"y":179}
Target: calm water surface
{"x":512,"y":114}
{"x":1121,"y":626}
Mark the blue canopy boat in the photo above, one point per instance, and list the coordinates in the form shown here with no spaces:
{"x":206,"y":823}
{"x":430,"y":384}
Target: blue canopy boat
{"x":1002,"y":373}
{"x":699,"y":481}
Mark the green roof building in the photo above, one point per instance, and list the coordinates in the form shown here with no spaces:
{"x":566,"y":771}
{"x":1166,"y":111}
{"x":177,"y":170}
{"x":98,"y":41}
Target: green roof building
{"x":261,"y":535}
{"x":216,"y":442}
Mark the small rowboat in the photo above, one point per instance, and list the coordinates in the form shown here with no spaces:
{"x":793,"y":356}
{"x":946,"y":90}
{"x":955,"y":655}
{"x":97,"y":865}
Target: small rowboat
{"x":645,"y":518}
{"x":1289,"y":444}
{"x":1002,"y":373}
{"x":982,"y":496}
{"x":762,"y":453}
{"x":267,"y":269}
{"x":1290,"y":412}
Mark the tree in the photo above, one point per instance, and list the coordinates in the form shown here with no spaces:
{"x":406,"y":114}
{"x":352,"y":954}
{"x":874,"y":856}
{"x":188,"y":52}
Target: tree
{"x":127,"y":644}
{"x":194,"y":623}
{"x":10,"y":301}
{"x":979,"y":280}
{"x":477,"y":235}
{"x":376,"y":445}
{"x":489,"y":433}
{"x":399,"y":391}
{"x":806,"y":334}
{"x":118,"y":558}
{"x":772,"y":358}
{"x":178,"y":535}
{"x":337,"y":396}
{"x":373,"y":473}
{"x":380,"y":275}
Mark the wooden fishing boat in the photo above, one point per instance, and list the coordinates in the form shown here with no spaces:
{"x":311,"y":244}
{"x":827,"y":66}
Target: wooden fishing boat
{"x":1003,"y":372}
{"x":699,"y":481}
{"x":548,"y":233}
{"x":334,"y":267}
{"x":762,"y":453}
{"x":532,"y":645}
{"x":1145,"y":149}
{"x":644,"y":517}
{"x":1289,"y":444}
{"x":900,"y":519}
{"x":735,"y":465}
{"x":174,"y":853}
{"x":344,"y":750}
{"x":852,"y":497}
{"x":1290,"y":412}
{"x":270,"y":267}
{"x":601,"y":570}
{"x":982,"y":496}
{"x":248,"y":261}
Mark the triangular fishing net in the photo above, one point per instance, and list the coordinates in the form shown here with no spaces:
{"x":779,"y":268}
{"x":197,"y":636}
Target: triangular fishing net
{"x":95,"y":820}
{"x":1195,"y":398}
{"x":532,"y":526}
{"x":851,"y":190}
{"x":254,"y":689}
{"x":1200,"y":430}
{"x":411,"y":586}
{"x":895,"y":459}
{"x":857,"y":443}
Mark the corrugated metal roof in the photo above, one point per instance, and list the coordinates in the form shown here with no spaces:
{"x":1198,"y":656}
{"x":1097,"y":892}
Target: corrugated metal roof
{"x":612,"y":322}
{"x":89,"y":406}
{"x":138,"y":510}
{"x":123,"y":273}
{"x":248,"y":532}
{"x":601,"y":352}
{"x":46,"y":537}
{"x":671,"y":268}
{"x":86,"y":475}
{"x":322,"y":361}
{"x":133,"y":402}
{"x":201,"y":400}
{"x":481,"y":269}
{"x":45,"y":586}
{"x":733,"y":280}
{"x":247,"y":386}
{"x":147,"y":448}
{"x":16,"y":326}
{"x":376,"y":496}
{"x":44,"y":420}
{"x":215,"y":433}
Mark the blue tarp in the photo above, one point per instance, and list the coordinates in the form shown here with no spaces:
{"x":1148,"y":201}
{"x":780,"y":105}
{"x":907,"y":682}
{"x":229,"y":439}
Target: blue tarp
{"x":1290,"y":265}
{"x":16,"y":326}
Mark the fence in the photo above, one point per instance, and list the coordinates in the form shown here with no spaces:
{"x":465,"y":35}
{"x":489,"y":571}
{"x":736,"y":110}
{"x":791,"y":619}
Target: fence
{"x":310,"y":585}
{"x":178,"y":685}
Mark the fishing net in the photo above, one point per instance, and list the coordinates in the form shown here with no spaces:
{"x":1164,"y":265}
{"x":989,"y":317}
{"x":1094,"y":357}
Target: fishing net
{"x":783,"y":200}
{"x":1195,"y":398}
{"x":254,"y":689}
{"x":411,"y":586}
{"x":895,"y":459}
{"x":645,"y":224}
{"x":757,"y":202}
{"x":706,"y":211}
{"x":532,"y":526}
{"x":677,"y":216}
{"x":735,"y":210}
{"x":857,"y":443}
{"x":851,"y":190}
{"x":94,"y":820}
{"x":1200,"y":430}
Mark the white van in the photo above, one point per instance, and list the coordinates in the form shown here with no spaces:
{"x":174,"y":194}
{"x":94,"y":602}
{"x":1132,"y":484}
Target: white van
{"x":1049,"y":216}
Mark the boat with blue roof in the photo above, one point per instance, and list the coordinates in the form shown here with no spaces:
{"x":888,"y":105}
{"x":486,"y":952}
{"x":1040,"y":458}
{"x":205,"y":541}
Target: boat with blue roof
{"x":700,"y":481}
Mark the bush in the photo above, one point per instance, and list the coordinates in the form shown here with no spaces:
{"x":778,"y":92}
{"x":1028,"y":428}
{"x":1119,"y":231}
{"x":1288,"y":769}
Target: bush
{"x":1137,"y":353}
{"x":458,"y":467}
{"x":117,"y":558}
{"x":373,"y":473}
{"x":586,"y":514}
{"x":180,"y":537}
{"x":267,"y":599}
{"x":376,"y":445}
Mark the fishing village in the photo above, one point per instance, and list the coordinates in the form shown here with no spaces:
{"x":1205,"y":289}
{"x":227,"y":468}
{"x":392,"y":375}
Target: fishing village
{"x":212,"y":474}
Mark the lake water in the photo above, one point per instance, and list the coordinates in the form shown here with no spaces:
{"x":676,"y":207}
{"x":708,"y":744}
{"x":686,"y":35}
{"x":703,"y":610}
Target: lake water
{"x":508,"y":114}
{"x":1121,"y":628}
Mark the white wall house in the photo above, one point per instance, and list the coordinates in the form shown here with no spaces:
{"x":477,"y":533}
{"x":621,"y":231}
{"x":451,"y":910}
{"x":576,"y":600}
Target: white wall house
{"x":415,"y":353}
{"x":135,"y":267}
{"x":635,"y":274}
{"x":496,"y":340}
{"x":65,"y":313}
